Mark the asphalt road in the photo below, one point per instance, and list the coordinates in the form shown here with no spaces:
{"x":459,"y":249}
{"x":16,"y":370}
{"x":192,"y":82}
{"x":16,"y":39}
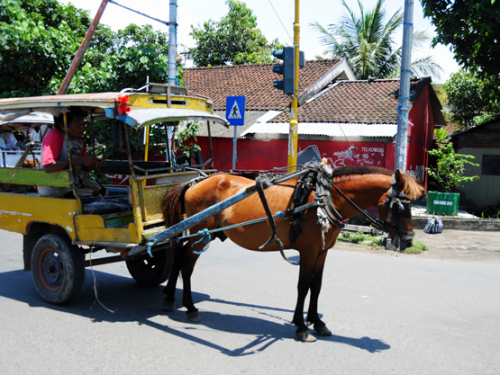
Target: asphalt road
{"x":389,"y":315}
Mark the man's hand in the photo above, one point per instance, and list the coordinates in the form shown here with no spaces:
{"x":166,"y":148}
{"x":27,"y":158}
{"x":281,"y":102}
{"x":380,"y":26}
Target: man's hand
{"x":89,"y":161}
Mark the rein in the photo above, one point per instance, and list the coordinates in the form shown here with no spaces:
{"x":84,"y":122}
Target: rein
{"x":327,"y":213}
{"x":393,"y":194}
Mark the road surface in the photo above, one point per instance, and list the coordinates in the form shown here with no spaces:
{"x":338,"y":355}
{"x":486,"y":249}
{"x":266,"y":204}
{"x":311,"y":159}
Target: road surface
{"x":389,"y":314}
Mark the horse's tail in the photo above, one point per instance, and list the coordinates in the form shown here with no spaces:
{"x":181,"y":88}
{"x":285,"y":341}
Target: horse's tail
{"x":173,"y":211}
{"x":173,"y":205}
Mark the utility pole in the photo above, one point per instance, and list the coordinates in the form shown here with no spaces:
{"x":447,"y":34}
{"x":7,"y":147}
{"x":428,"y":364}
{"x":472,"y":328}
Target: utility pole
{"x":172,"y":43}
{"x":81,"y":50}
{"x":404,"y":89}
{"x":294,"y":124}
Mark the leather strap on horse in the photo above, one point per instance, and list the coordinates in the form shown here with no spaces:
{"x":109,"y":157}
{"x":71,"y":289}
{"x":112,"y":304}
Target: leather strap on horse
{"x":376,"y":223}
{"x":259,"y":183}
{"x":323,"y":196}
{"x":305,"y":185}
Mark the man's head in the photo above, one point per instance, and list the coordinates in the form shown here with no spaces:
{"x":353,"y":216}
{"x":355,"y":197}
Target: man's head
{"x":75,"y":118}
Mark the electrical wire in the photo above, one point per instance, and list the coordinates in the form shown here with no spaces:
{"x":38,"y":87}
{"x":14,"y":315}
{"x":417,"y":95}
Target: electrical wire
{"x":277,"y":15}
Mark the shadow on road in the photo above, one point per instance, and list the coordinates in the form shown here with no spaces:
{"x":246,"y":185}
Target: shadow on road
{"x":133,"y":303}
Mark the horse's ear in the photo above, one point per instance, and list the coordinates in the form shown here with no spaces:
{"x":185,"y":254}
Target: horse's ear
{"x":399,"y":176}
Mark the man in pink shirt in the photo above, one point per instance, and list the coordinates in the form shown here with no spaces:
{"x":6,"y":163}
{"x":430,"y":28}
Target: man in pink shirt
{"x":55,"y":155}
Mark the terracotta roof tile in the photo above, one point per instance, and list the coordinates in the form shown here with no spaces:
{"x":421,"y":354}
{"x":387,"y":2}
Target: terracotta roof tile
{"x":358,"y":102}
{"x":255,"y":81}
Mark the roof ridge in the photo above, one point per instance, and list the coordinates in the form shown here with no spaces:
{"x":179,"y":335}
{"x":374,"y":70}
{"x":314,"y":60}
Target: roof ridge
{"x":252,"y":65}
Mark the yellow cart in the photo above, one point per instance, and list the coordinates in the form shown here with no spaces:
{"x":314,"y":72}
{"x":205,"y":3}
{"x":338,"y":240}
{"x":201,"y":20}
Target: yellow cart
{"x":62,"y":234}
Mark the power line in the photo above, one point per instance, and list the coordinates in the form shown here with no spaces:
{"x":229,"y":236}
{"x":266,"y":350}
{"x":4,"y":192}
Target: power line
{"x":277,"y":15}
{"x":142,"y":14}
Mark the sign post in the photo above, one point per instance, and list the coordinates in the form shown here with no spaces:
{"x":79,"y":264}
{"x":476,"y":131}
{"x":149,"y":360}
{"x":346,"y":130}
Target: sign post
{"x":235,"y":115}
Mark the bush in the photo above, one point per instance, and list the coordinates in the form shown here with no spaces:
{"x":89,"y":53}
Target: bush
{"x":450,"y":167}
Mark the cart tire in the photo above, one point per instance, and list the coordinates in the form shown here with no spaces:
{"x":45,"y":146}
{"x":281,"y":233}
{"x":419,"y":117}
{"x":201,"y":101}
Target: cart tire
{"x":149,"y":271}
{"x":58,"y":268}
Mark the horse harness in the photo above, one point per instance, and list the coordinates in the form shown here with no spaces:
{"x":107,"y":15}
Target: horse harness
{"x":318,"y":177}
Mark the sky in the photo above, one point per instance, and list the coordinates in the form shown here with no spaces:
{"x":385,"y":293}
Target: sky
{"x":195,"y":12}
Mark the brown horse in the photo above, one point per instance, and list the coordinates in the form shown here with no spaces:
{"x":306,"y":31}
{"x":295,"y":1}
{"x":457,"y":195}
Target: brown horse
{"x":365,"y":186}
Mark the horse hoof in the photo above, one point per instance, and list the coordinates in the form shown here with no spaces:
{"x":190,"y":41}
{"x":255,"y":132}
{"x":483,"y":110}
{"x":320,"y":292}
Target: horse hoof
{"x":169,"y":306}
{"x":306,"y":336}
{"x":323,"y":331}
{"x":194,"y":317}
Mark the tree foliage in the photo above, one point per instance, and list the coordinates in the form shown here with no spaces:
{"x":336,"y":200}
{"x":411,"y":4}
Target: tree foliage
{"x":234,"y":39}
{"x":450,"y":167}
{"x":367,"y":41}
{"x":472,"y":28}
{"x":125,"y":59}
{"x":35,"y":46}
{"x":39,"y":39}
{"x":469,"y":97}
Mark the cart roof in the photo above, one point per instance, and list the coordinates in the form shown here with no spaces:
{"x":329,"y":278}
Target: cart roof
{"x":34,"y":118}
{"x":145,"y":109}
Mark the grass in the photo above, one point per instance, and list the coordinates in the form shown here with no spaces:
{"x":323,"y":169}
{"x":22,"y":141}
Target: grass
{"x":377,"y":242}
{"x":417,"y":248}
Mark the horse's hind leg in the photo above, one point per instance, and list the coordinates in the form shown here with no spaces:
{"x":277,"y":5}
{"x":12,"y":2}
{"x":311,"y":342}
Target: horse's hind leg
{"x":315,"y":286}
{"x":189,"y":260}
{"x":170,"y":288}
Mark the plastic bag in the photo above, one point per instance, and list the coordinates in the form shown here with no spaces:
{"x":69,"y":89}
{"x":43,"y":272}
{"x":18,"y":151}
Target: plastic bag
{"x":434,"y":225}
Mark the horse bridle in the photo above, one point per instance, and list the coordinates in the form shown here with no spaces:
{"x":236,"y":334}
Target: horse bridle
{"x":399,"y":208}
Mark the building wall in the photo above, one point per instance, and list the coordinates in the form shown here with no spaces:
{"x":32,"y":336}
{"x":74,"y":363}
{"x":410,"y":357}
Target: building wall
{"x":480,"y":141}
{"x":420,"y":135}
{"x":483,"y":192}
{"x":263,"y":155}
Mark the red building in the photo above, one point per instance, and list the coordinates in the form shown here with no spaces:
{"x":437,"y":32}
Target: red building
{"x":347,"y":121}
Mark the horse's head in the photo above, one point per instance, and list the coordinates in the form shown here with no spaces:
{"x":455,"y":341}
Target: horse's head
{"x":395,"y":209}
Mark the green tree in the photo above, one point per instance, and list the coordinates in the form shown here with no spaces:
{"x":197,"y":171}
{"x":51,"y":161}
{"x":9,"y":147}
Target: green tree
{"x":235,"y":39}
{"x":39,"y":39}
{"x":122,"y":59}
{"x":469,"y":97}
{"x":367,"y":41}
{"x":472,"y":28}
{"x":450,"y":167}
{"x":33,"y":50}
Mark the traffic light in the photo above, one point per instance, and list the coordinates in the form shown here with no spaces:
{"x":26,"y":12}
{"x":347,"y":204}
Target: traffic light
{"x":287,"y":54}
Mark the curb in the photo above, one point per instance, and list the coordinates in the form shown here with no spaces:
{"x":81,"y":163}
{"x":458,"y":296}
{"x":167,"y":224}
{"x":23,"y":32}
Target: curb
{"x":461,"y":224}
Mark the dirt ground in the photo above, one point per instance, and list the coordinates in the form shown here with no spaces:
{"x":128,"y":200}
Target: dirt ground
{"x":451,"y":244}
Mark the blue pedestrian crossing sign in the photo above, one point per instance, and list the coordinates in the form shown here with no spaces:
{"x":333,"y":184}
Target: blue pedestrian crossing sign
{"x":235,"y":110}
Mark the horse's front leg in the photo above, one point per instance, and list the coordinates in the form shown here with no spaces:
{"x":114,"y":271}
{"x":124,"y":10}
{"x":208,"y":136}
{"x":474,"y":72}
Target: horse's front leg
{"x":305,"y":274}
{"x":315,"y":286}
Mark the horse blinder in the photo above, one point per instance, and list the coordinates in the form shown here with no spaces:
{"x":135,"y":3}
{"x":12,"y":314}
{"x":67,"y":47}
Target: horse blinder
{"x":399,"y":208}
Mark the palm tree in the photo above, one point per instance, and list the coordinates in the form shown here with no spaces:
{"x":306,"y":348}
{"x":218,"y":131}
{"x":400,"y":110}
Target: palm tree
{"x":367,"y":43}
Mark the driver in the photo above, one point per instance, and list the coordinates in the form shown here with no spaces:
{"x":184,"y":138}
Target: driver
{"x":55,"y":156}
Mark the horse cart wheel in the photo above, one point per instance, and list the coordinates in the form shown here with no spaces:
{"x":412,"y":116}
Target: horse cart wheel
{"x":149,"y":271}
{"x":58,"y":268}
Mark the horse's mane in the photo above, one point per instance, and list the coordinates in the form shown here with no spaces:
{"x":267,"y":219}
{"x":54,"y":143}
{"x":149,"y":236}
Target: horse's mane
{"x":411,"y":186}
{"x":349,"y":171}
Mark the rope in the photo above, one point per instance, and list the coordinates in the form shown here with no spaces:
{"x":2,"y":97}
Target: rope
{"x":405,"y":107}
{"x":95,"y":285}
